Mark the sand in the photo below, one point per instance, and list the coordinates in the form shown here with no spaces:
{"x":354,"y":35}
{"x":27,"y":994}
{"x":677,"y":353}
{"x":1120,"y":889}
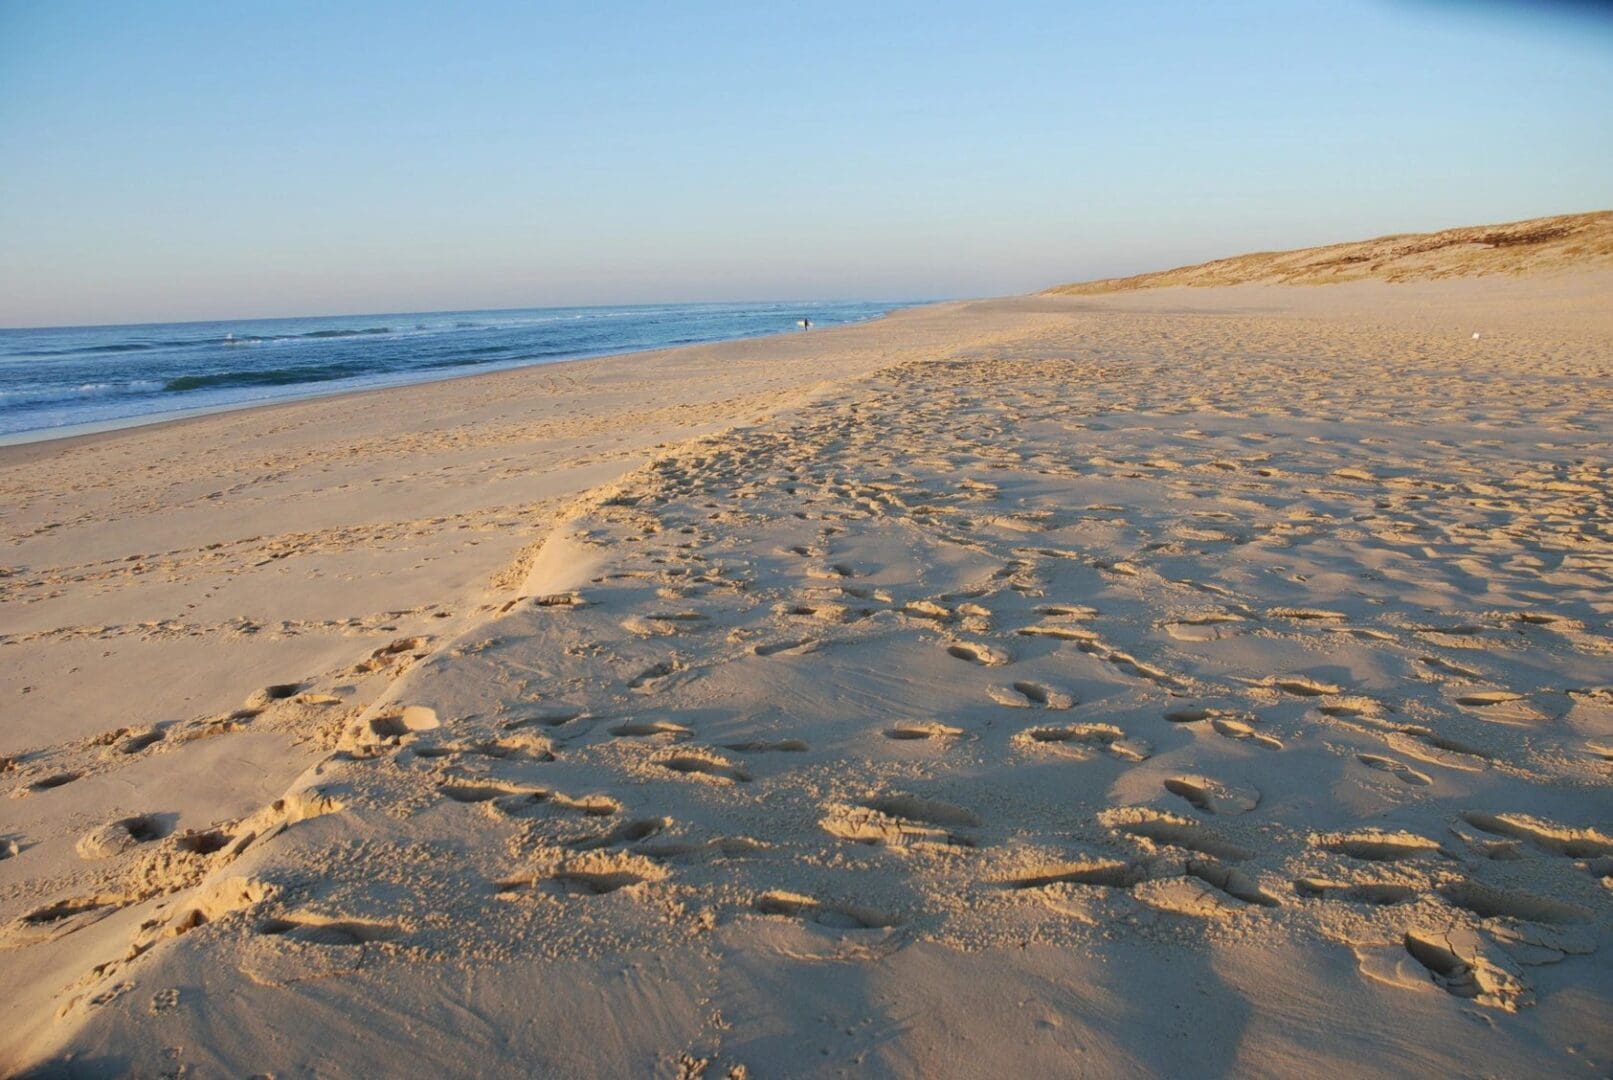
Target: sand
{"x":1567,"y":243}
{"x":1179,"y":679}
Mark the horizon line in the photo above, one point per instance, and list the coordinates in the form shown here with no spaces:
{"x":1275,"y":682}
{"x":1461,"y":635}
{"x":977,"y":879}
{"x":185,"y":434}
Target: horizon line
{"x":471,"y":311}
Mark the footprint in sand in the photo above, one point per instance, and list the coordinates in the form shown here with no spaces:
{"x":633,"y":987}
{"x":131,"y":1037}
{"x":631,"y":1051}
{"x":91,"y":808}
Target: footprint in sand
{"x":1207,"y":890}
{"x":1234,"y":728}
{"x":821,"y":612}
{"x":305,"y":805}
{"x":1567,"y":841}
{"x":663,"y":625}
{"x":835,"y":916}
{"x":788,"y":647}
{"x":1169,"y":830}
{"x":902,"y":821}
{"x":702,"y":765}
{"x":768,"y":746}
{"x":911,"y":731}
{"x":1423,"y":744}
{"x":267,"y":696}
{"x":519,"y":800}
{"x":475,"y":792}
{"x":203,"y":841}
{"x":1351,"y":706}
{"x":1232,"y":881}
{"x":1600,"y":748}
{"x":1211,"y":626}
{"x":1397,"y":769}
{"x":976,"y":653}
{"x":654,"y":677}
{"x":1061,"y":632}
{"x":598,"y":874}
{"x":138,"y":740}
{"x":1022,"y":694}
{"x":593,"y":882}
{"x":525,"y":746}
{"x":119,"y":836}
{"x":1306,"y":614}
{"x":1104,"y":873}
{"x":543,"y":719}
{"x":1073,"y":612}
{"x":556,"y":601}
{"x":1490,"y":902}
{"x":1501,"y":707}
{"x":623,"y":833}
{"x":224,"y":898}
{"x":1487,"y":698}
{"x":60,"y":918}
{"x":412,"y":647}
{"x":1079,"y":740}
{"x":1213,"y":796}
{"x":411,"y":720}
{"x":1435,"y":663}
{"x":54,"y":780}
{"x":1130,"y":665}
{"x":322,"y":930}
{"x":1192,"y":714}
{"x":927,"y":609}
{"x":1304,"y":686}
{"x":1378,"y":893}
{"x":1372,"y":845}
{"x":1466,"y":966}
{"x":642,"y":729}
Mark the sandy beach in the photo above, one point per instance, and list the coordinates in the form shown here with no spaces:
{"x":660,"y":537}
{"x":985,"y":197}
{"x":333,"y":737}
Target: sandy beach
{"x":1158,"y":678}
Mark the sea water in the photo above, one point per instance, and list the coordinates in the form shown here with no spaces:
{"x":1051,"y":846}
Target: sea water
{"x":70,"y":377}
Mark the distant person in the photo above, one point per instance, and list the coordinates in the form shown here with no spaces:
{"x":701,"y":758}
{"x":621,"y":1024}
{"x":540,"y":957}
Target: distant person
{"x":805,"y":324}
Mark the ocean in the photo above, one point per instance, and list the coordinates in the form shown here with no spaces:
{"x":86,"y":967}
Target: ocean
{"x":70,"y":377}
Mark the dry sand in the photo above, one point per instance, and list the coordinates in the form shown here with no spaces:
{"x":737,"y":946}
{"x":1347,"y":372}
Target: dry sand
{"x":1566,"y":243}
{"x":1187,"y":679}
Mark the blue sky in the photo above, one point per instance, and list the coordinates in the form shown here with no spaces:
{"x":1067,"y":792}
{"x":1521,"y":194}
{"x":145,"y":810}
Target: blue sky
{"x":165,"y":161}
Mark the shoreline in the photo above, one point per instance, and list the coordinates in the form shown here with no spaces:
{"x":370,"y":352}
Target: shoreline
{"x":1565,"y":287}
{"x":104,"y":427}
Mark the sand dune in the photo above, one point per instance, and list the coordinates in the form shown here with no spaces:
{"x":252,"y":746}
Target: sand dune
{"x":1570,"y":242}
{"x":1183,"y":680}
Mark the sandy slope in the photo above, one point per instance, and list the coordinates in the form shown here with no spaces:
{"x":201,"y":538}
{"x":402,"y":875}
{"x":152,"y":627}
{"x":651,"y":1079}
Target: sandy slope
{"x":1187,"y":679}
{"x":1572,"y":243}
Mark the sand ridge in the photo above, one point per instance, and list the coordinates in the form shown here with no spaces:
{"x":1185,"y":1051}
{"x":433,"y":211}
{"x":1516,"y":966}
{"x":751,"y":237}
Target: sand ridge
{"x":1127,"y":690}
{"x":1567,"y":243}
